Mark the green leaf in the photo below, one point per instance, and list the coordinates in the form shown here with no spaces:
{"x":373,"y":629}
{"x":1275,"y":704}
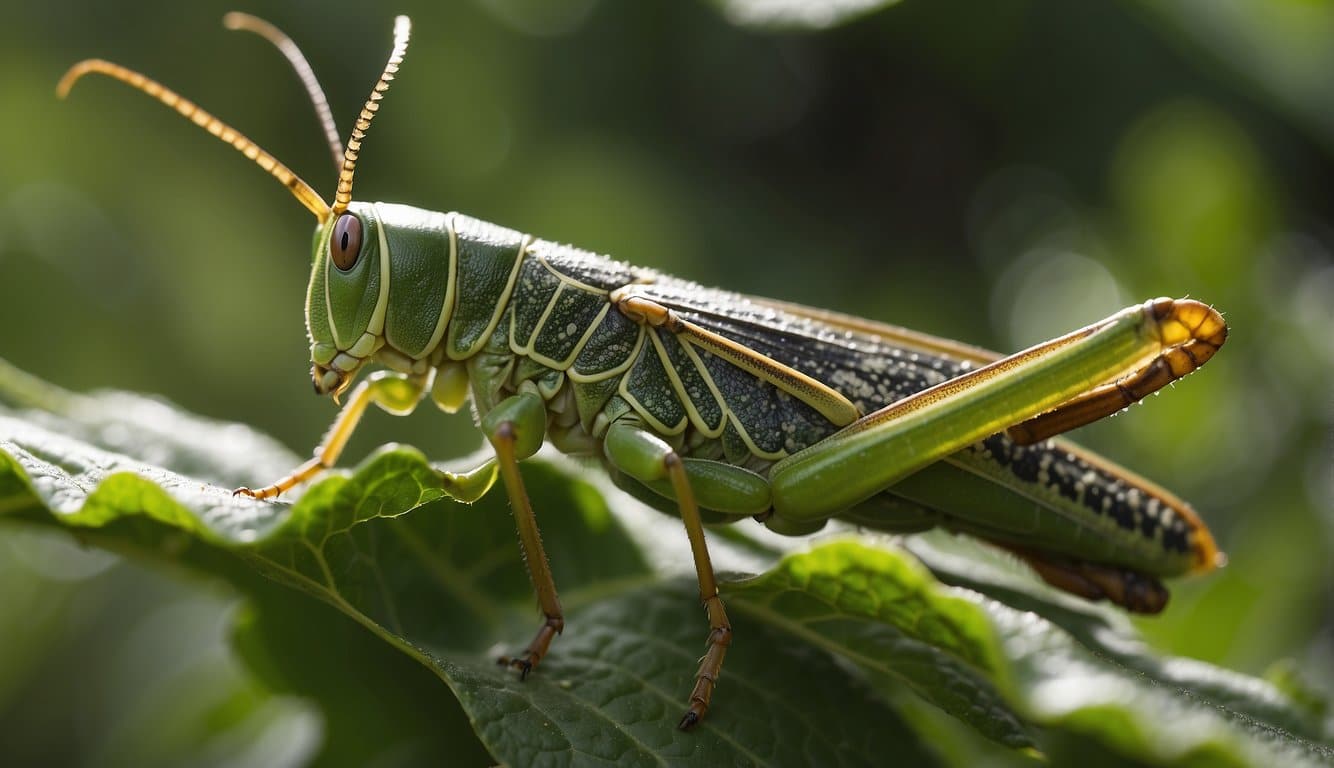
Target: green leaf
{"x":1094,"y":681}
{"x":379,"y":705}
{"x":881,"y":610}
{"x":415,"y":595}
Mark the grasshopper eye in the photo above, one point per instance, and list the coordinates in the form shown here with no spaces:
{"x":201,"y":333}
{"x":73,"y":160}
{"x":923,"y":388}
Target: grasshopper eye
{"x":345,"y":245}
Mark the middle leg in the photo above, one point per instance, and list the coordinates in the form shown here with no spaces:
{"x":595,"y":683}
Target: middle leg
{"x":515,"y":429}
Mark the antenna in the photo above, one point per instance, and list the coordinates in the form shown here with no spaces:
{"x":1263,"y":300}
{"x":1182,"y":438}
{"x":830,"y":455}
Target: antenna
{"x":244,"y":21}
{"x":192,"y":112}
{"x":402,"y":28}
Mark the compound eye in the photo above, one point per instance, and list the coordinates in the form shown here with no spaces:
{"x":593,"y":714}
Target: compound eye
{"x":345,"y":245}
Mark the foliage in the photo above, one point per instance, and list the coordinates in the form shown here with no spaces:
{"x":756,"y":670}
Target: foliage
{"x":366,"y":570}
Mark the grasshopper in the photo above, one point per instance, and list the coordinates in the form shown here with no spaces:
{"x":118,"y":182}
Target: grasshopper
{"x":718,"y":406}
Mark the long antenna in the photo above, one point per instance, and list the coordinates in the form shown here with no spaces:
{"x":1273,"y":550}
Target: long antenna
{"x":402,"y":29}
{"x":192,"y":112}
{"x":244,"y":21}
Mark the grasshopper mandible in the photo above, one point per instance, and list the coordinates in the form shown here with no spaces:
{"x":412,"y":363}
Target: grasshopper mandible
{"x":719,"y":406}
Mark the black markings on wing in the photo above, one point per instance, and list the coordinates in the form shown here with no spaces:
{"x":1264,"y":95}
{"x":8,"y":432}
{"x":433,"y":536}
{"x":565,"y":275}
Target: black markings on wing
{"x":573,"y":311}
{"x":750,"y":400}
{"x":647,"y":387}
{"x":533,"y":291}
{"x":867,"y":371}
{"x":608,"y":349}
{"x":772,"y":422}
{"x":708,"y":413}
{"x":584,"y":266}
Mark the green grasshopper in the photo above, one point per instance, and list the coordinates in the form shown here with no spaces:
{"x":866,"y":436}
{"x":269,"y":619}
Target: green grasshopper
{"x":719,"y":406}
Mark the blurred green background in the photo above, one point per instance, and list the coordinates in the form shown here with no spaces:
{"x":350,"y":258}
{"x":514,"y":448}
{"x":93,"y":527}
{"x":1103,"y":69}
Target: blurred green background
{"x":994,"y":172}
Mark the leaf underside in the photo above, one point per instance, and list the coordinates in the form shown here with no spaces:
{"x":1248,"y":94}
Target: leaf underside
{"x":837,"y":643}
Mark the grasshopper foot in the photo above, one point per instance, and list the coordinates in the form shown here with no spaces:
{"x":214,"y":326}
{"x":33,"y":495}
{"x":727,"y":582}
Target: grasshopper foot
{"x":270,"y":492}
{"x":523,"y":662}
{"x":710,"y":667}
{"x":526,"y":661}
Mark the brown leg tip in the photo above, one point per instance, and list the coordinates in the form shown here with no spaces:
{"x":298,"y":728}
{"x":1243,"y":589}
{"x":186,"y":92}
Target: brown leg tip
{"x":260,"y":495}
{"x":521,"y":663}
{"x":689,"y":720}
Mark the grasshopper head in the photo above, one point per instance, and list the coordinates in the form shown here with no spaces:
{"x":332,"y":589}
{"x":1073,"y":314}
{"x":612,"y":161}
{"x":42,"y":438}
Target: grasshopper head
{"x":379,"y":289}
{"x":345,"y":303}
